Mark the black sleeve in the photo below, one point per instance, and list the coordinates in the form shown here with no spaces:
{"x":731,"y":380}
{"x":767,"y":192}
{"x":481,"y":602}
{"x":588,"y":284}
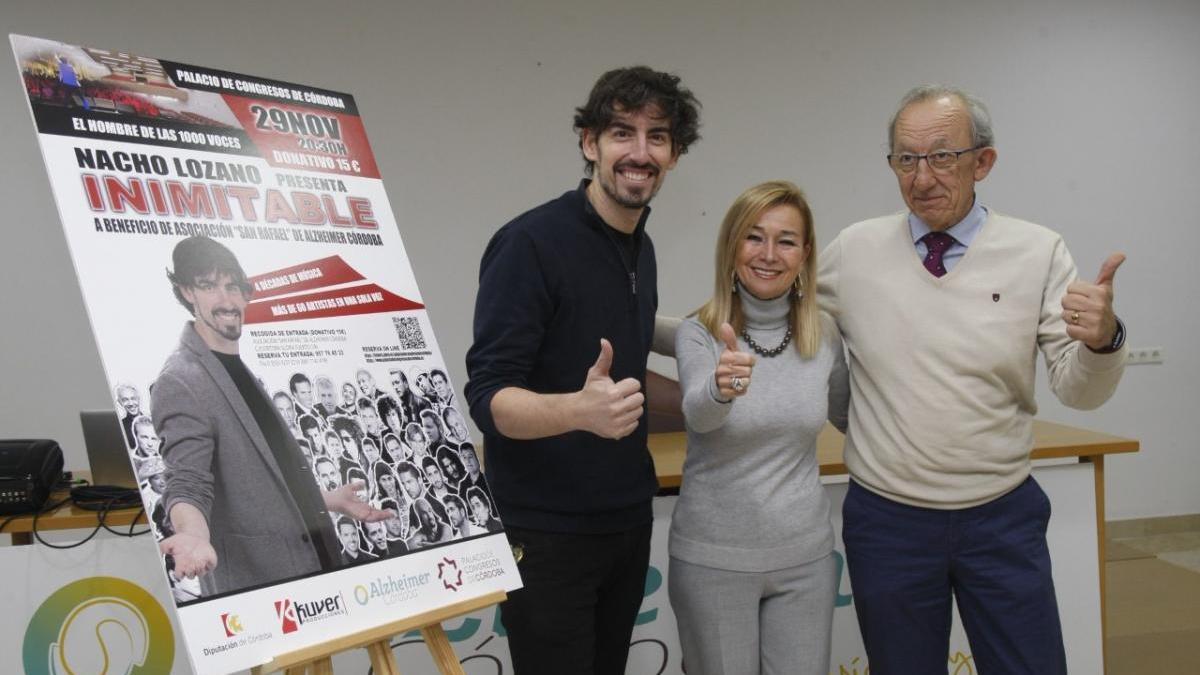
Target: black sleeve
{"x":512,"y":309}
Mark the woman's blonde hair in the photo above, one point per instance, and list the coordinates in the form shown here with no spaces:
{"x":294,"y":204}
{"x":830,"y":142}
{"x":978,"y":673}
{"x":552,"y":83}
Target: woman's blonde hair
{"x":725,"y":304}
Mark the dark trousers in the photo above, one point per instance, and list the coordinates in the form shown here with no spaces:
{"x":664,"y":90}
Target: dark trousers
{"x":906,"y":563}
{"x":581,"y":595}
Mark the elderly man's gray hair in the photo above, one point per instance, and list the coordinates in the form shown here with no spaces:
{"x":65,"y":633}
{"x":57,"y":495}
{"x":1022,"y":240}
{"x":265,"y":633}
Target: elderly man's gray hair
{"x":981,"y":120}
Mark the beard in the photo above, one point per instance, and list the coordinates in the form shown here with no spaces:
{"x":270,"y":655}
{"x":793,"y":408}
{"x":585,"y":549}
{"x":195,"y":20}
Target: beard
{"x":630,"y":199}
{"x":228,"y":330}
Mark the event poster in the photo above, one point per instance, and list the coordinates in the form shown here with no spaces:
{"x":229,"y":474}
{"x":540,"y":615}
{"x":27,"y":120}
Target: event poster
{"x":286,"y":408}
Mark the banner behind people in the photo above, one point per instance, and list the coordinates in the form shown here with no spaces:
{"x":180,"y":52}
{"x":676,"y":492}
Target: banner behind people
{"x":286,"y":407}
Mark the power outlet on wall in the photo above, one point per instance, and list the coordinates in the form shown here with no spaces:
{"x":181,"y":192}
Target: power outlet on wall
{"x":1143,"y":355}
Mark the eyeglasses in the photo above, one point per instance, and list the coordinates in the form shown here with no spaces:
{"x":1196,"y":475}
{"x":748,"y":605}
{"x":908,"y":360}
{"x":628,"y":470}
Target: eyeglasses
{"x":939,"y":160}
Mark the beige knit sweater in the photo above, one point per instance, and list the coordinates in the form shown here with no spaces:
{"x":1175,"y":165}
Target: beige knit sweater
{"x":942,"y":370}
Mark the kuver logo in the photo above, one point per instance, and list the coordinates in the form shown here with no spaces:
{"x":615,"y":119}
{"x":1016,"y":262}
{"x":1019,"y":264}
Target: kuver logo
{"x":294,"y":614}
{"x":449,"y":574}
{"x":232,"y":624}
{"x":286,"y":611}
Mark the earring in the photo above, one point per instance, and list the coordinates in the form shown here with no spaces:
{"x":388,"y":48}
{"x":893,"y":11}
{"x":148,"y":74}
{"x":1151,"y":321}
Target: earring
{"x":733,"y":282}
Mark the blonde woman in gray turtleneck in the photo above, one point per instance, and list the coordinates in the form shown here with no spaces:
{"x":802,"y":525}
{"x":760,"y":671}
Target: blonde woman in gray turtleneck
{"x":752,"y":576}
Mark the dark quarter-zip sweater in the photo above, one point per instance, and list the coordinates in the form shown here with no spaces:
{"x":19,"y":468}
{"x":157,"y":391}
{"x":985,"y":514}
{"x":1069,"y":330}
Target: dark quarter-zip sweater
{"x":552,"y":282}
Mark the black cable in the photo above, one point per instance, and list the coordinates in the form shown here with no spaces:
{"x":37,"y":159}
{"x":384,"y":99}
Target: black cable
{"x":99,"y":498}
{"x":36,"y":535}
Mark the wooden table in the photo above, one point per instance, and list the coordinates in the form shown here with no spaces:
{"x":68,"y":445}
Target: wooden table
{"x":1050,"y":441}
{"x":68,"y":517}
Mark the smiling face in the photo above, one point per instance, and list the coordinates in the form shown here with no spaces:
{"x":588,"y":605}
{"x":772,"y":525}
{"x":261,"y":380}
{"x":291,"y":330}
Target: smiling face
{"x":772,"y":252}
{"x":377,"y":534}
{"x":158,"y":482}
{"x":349,"y":396}
{"x":631,"y":157}
{"x":218,"y":302}
{"x":128,"y":398}
{"x":940,"y":198}
{"x":366,"y":383}
{"x":348,"y":534}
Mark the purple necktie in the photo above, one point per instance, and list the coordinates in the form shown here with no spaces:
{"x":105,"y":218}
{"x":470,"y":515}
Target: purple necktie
{"x":937,"y":243}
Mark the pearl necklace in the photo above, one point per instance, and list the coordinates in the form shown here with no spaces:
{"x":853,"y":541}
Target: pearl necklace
{"x":768,"y":353}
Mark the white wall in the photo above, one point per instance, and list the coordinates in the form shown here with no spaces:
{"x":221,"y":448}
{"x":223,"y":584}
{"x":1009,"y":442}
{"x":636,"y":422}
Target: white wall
{"x":468,"y":107}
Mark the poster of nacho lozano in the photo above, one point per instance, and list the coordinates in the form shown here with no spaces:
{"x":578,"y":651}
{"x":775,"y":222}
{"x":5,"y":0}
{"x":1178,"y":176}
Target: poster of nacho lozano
{"x":301,"y":452}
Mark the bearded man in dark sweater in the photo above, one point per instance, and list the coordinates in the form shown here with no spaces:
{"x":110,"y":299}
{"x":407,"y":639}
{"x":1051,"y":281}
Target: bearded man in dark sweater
{"x":564,"y":321}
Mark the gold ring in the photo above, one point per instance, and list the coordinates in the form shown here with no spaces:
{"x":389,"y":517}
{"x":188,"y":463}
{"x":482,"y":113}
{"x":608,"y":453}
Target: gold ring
{"x":1075,"y":318}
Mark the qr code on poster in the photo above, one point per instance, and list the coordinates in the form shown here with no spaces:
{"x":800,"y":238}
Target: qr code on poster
{"x":408,"y":329}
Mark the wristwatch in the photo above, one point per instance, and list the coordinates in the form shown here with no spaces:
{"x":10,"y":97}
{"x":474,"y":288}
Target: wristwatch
{"x":1117,"y":341}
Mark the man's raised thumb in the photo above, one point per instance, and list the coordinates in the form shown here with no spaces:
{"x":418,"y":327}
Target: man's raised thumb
{"x":603,"y":362}
{"x":1109,"y":269}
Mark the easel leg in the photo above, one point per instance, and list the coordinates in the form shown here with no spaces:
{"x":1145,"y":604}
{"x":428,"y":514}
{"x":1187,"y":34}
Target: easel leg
{"x":383,"y":661}
{"x":322,"y":666}
{"x":439,"y":646}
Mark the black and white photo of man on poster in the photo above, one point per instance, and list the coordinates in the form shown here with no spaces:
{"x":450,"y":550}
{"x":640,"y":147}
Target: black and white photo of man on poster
{"x":240,"y":495}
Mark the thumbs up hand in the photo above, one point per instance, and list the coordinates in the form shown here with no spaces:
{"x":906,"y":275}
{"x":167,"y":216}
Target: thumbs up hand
{"x":1087,"y":307}
{"x":606,"y":408}
{"x":732,"y":376}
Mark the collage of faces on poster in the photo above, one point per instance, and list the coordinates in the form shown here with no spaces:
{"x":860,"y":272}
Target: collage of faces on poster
{"x":408,"y":446}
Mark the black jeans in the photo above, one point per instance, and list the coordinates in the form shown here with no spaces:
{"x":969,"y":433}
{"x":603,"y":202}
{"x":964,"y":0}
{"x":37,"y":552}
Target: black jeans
{"x":581,"y":595}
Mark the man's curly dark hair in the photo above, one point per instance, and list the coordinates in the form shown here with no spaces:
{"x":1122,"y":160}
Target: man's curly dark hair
{"x":635,"y":88}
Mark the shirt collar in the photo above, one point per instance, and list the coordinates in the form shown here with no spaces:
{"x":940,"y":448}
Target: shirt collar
{"x":964,"y":231}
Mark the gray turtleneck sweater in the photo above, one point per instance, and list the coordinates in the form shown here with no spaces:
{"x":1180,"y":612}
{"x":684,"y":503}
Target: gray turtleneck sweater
{"x":751,"y":498}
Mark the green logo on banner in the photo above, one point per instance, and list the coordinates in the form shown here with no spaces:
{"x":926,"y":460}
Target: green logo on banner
{"x":100,"y":625}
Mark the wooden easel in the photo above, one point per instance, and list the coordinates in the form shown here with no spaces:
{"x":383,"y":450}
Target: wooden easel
{"x":318,"y":659}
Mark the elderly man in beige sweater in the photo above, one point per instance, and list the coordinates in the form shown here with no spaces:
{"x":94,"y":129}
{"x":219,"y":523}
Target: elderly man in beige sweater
{"x":943,"y":309}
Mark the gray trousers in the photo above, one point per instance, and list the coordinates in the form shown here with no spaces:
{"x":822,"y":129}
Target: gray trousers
{"x":746,"y":623}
